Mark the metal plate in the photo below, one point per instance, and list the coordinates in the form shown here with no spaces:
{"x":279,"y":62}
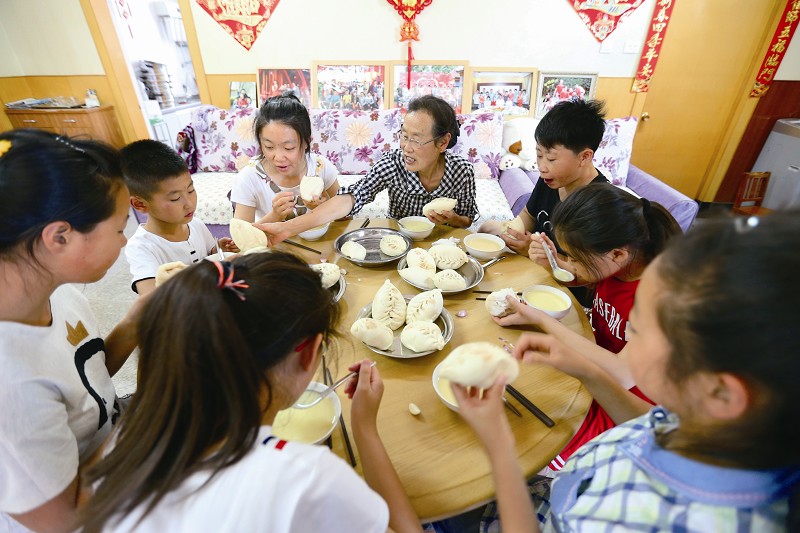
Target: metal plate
{"x":397,"y":350}
{"x":472,"y":271}
{"x":338,"y":288}
{"x":370,"y":238}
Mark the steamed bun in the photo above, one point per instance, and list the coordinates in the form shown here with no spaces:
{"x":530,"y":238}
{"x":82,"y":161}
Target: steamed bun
{"x":422,"y":337}
{"x":515,"y":224}
{"x":372,"y":332}
{"x":329,"y":273}
{"x":311,"y":186}
{"x":425,"y":306}
{"x":246,"y":236}
{"x":448,"y":256}
{"x":389,"y":306}
{"x":439,"y":204}
{"x":393,"y":245}
{"x":167,"y":270}
{"x":418,"y":277}
{"x":420,"y":258}
{"x":496,"y":302}
{"x":478,"y":364}
{"x":449,"y":280}
{"x":354,"y":250}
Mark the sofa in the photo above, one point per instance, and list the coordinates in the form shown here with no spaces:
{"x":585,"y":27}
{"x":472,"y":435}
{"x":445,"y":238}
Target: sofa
{"x":217,"y":142}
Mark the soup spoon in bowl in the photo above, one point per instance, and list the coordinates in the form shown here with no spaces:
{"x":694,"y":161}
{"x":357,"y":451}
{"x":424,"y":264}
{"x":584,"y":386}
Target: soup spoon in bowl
{"x":559,"y":273}
{"x":312,"y":397}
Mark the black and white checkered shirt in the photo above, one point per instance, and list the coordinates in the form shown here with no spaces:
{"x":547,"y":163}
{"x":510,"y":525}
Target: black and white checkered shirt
{"x":406,"y":193}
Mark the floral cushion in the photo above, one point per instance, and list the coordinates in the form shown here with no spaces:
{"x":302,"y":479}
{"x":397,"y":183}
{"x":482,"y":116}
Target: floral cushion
{"x":223,"y":138}
{"x":613,"y":157}
{"x":353,"y":140}
{"x":481,"y":140}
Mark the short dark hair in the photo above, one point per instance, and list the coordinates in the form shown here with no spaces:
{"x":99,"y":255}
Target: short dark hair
{"x":444,"y":117}
{"x":286,"y":109}
{"x":147,"y":163}
{"x":45,"y":178}
{"x":574,"y":124}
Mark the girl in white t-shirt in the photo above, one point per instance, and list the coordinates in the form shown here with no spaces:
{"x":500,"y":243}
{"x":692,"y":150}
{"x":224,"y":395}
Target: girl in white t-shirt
{"x":268,"y":188}
{"x":224,"y":346}
{"x":64,"y":211}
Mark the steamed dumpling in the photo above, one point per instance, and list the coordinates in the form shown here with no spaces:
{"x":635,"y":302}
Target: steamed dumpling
{"x":311,"y":186}
{"x":439,"y":204}
{"x":419,"y":277}
{"x":329,"y":273}
{"x":389,"y":306}
{"x":393,"y":245}
{"x":372,"y":332}
{"x":419,"y":258}
{"x":425,"y":306}
{"x":246,"y":236}
{"x":354,"y":250}
{"x":449,"y":280}
{"x":496,"y":302}
{"x":515,"y":224}
{"x":167,"y":270}
{"x":422,"y":337}
{"x":448,"y":256}
{"x":256,"y":250}
{"x":478,"y":364}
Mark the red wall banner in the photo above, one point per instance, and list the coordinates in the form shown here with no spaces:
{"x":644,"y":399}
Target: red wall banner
{"x":777,"y":48}
{"x":243,"y":20}
{"x":652,"y":45}
{"x":603,"y":16}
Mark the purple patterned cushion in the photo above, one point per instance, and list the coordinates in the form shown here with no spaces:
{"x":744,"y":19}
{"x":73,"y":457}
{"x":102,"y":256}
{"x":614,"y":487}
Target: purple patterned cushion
{"x":353,"y":140}
{"x":480,"y":140}
{"x":224,"y":138}
{"x":613,"y":157}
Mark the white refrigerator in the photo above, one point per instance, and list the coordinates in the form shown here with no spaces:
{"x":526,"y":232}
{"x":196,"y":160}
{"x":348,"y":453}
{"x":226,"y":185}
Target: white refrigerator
{"x":781,"y":156}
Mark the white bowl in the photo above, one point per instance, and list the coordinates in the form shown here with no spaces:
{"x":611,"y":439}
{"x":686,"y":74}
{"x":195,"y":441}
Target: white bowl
{"x":417,"y":235}
{"x":215,"y":257}
{"x":447,"y":396}
{"x":552,"y":301}
{"x":472,"y":240}
{"x":314,"y":233}
{"x":312,"y":425}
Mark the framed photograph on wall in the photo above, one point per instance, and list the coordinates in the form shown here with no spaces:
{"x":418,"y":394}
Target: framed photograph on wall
{"x":506,"y":90}
{"x":555,"y":87}
{"x":349,"y":85}
{"x":444,"y":79}
{"x":275,"y":81}
{"x":243,"y":94}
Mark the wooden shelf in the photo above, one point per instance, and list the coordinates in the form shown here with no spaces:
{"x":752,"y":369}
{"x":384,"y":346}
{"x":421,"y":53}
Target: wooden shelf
{"x":98,"y":123}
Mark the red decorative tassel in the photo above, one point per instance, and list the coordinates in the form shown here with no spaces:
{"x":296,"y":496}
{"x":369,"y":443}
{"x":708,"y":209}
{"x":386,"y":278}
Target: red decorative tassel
{"x":408,"y":70}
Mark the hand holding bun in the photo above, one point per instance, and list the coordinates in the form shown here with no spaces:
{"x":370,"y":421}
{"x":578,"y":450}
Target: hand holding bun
{"x":497,"y":304}
{"x":167,"y":270}
{"x":311,"y":186}
{"x":246,"y":236}
{"x":478,"y":364}
{"x":439,"y":204}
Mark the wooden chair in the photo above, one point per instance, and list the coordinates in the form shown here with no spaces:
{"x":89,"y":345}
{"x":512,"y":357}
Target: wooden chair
{"x":751,"y":194}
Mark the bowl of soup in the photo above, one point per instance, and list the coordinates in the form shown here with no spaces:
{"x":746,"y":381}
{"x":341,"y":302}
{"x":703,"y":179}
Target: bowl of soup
{"x":484,"y":246}
{"x":417,"y":228}
{"x":312,"y":425}
{"x":314,"y":233}
{"x":552,"y":301}
{"x":443,"y":390}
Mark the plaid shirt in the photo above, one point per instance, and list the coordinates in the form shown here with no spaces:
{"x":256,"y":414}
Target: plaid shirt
{"x":406,"y":193}
{"x":623,"y":480}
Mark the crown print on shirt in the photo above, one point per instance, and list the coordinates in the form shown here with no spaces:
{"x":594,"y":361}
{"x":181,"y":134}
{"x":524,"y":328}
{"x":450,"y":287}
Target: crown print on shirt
{"x":76,"y":334}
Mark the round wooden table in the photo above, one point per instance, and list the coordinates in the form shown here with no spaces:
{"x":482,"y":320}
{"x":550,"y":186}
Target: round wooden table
{"x":437,"y":456}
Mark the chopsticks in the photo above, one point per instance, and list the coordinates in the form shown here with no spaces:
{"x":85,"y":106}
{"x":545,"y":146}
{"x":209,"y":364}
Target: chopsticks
{"x":351,"y":455}
{"x":527,"y":404}
{"x":303,"y":246}
{"x":490,"y":292}
{"x":365,"y":224}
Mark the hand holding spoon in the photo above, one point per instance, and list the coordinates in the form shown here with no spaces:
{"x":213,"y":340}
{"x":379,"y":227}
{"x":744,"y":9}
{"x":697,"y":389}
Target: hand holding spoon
{"x":311,"y":402}
{"x":559,"y":273}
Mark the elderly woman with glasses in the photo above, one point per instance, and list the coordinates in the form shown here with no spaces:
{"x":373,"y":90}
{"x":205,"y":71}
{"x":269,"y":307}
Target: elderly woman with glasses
{"x":421,"y":170}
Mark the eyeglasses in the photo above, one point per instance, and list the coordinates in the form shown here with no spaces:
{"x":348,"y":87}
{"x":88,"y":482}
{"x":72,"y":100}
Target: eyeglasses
{"x":415,"y":144}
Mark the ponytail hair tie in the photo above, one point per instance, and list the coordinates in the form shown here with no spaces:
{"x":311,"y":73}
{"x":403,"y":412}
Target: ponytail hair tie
{"x":645,"y":205}
{"x":225,"y":280}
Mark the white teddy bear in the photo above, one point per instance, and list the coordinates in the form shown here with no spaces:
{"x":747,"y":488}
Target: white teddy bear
{"x":516,"y":156}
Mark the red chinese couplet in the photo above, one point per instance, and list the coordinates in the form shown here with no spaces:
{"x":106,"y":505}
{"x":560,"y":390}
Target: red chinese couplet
{"x":777,"y":48}
{"x":242,"y":20}
{"x":603,"y":16}
{"x":652,"y":45}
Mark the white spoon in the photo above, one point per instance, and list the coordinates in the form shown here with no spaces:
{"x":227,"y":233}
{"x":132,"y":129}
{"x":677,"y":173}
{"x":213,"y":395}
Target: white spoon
{"x":321,"y":395}
{"x":559,"y":273}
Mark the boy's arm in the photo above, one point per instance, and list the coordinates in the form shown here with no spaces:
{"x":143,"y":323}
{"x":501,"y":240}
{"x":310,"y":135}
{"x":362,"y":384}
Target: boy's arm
{"x":145,"y":286}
